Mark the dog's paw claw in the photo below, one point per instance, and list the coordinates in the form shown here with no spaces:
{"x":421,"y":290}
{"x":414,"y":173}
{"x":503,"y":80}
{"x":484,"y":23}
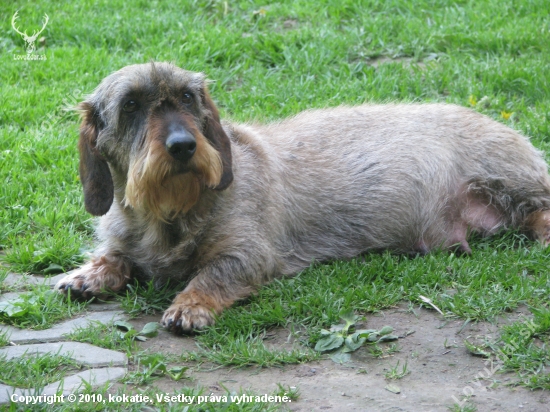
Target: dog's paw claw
{"x":190,"y":311}
{"x":93,"y":279}
{"x":185,"y":320}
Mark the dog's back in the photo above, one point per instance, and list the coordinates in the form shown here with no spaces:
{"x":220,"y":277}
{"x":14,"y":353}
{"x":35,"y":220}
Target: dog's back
{"x":351,"y":179}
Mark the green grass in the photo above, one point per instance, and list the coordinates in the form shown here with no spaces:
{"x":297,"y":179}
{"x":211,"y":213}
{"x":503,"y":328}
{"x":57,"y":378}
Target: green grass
{"x":105,"y":336}
{"x":149,"y":367}
{"x":267,"y":62}
{"x":144,"y":299}
{"x":478,"y":287}
{"x":247,"y":351}
{"x":3,"y":276}
{"x":4,"y":339}
{"x":464,"y":408}
{"x":36,"y":371}
{"x":523,"y":347}
{"x":38,"y":308}
{"x":270,"y":60}
{"x":396,"y":372}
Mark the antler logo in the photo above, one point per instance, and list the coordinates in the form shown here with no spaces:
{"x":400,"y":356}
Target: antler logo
{"x":29,"y":40}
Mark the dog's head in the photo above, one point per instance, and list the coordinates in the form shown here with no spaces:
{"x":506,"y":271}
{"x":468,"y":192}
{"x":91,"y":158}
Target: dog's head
{"x":156,"y":128}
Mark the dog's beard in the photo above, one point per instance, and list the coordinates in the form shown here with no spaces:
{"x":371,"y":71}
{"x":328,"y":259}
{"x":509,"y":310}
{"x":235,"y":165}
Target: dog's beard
{"x":156,"y":187}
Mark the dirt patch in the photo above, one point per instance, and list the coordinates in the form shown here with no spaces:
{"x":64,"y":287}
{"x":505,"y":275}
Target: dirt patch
{"x":441,"y":370}
{"x":405,"y":61}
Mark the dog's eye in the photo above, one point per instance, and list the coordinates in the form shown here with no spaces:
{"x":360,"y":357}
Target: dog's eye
{"x":130,"y":106}
{"x":187,"y":98}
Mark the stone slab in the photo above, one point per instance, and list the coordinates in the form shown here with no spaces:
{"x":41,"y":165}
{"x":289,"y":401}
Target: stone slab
{"x":107,"y":365}
{"x":71,"y":384}
{"x":57,"y":332}
{"x":19,"y":281}
{"x":52,"y":281}
{"x":5,"y":297}
{"x":83,"y":353}
{"x":16,"y":280}
{"x":103,"y":306}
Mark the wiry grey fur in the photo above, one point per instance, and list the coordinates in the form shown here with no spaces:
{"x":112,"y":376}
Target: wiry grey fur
{"x":325,"y":184}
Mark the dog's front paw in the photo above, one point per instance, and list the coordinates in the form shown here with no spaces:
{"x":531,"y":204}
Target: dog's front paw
{"x":94,"y":279}
{"x":81,"y":283}
{"x":190,"y":310}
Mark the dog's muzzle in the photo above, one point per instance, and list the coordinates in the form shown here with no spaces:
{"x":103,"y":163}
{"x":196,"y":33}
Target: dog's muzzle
{"x":181,"y":144}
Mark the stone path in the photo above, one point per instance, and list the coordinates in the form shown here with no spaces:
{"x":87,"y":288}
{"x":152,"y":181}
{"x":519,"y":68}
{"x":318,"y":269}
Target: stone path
{"x":101,"y":365}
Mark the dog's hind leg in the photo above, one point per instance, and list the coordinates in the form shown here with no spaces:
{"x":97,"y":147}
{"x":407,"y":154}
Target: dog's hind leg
{"x":519,"y":201}
{"x":538,"y":225}
{"x":504,"y":181}
{"x":488,"y":207}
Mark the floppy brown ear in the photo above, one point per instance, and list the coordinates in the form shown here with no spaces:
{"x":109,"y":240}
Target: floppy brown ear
{"x":95,"y":175}
{"x":214,"y":132}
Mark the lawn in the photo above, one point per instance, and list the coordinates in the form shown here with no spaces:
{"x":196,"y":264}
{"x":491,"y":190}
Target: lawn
{"x":266,"y":61}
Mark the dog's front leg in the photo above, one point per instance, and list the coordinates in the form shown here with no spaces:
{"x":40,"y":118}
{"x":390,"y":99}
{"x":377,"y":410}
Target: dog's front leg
{"x":215,"y":288}
{"x":107,"y":273}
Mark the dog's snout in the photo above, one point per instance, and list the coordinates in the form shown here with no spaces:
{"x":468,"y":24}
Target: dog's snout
{"x":181,"y":145}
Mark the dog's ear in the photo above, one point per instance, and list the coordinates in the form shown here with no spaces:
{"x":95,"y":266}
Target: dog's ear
{"x":214,"y":132}
{"x":95,"y":175}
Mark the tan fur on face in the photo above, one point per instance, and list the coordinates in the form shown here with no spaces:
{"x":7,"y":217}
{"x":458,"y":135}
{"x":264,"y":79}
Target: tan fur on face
{"x":154,"y":188}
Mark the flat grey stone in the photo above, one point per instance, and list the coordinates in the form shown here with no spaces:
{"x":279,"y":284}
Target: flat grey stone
{"x":103,"y":306}
{"x":57,"y":332}
{"x":71,"y":384}
{"x":52,"y":281}
{"x":5,"y":297}
{"x":107,"y":365}
{"x":83,"y":353}
{"x":16,"y":280}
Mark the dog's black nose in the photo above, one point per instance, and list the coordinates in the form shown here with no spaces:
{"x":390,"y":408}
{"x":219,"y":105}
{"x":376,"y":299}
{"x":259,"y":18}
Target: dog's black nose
{"x":181,"y":145}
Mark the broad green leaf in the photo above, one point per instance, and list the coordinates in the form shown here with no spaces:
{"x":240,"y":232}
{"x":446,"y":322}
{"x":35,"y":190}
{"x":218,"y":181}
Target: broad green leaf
{"x":150,"y":329}
{"x":476,"y":350}
{"x":160,"y":367}
{"x":365,"y":332}
{"x":53,"y":268}
{"x":131,"y":334}
{"x":386,"y":330}
{"x":178,"y":372}
{"x":373,"y":337}
{"x":340,"y":357}
{"x":353,"y":342}
{"x":387,"y":338}
{"x":337,"y":328}
{"x":14,"y":308}
{"x":123,"y":325}
{"x":349,"y":317}
{"x":329,"y":343}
